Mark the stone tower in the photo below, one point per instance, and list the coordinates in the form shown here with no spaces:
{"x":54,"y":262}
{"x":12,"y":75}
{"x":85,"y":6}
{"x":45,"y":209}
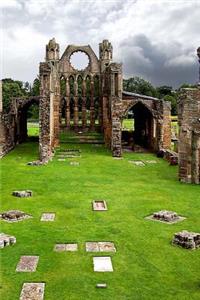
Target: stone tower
{"x":52,"y":50}
{"x":105,"y":54}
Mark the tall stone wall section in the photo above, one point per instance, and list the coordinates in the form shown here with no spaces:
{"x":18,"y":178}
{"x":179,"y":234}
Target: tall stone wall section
{"x":189,"y":136}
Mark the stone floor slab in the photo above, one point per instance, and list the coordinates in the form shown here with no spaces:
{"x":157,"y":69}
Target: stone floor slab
{"x":72,"y":247}
{"x":27,"y":263}
{"x":92,"y":247}
{"x":99,"y":205}
{"x":137,"y":163}
{"x":102,"y":264}
{"x":100,"y":247}
{"x":46,"y":217}
{"x":32,"y":291}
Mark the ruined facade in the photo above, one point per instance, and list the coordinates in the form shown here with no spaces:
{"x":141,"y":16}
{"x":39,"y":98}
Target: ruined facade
{"x":87,"y":100}
{"x":79,"y":98}
{"x":189,"y":135}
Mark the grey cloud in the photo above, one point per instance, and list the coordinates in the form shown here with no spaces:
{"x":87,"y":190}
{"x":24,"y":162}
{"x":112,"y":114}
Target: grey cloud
{"x":155,"y":64}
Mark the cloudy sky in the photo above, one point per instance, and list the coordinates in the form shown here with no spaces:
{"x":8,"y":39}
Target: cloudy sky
{"x":156,"y":40}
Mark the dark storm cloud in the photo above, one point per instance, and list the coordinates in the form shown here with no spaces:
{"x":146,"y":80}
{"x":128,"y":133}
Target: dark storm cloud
{"x":169,"y":64}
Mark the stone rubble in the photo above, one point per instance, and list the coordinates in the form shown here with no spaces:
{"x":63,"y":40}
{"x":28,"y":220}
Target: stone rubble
{"x":186,"y":239}
{"x":6,"y":240}
{"x":14,"y":215}
{"x":22,"y":194}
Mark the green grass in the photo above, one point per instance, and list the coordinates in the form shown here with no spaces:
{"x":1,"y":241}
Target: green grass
{"x":146,"y":265}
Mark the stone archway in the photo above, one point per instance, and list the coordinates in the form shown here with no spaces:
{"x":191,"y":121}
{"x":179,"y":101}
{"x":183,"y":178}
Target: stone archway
{"x":141,"y":133}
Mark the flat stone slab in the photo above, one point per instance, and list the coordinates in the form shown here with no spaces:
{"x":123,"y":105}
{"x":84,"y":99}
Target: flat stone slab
{"x":151,"y":161}
{"x":99,"y":205}
{"x":74,"y":163}
{"x":101,"y":285}
{"x":32,"y":291}
{"x":102,"y":264}
{"x":22,"y":194}
{"x":14,"y":216}
{"x":187,"y":239}
{"x":72,"y":247}
{"x":100,"y":247}
{"x":61,"y":159}
{"x":35,"y":163}
{"x":6,"y":240}
{"x":27,"y":263}
{"x":117,"y":158}
{"x":165,"y":216}
{"x":48,"y":217}
{"x":137,"y":163}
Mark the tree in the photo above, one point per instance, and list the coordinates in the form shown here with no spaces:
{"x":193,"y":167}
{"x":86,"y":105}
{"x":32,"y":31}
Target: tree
{"x":35,"y":89}
{"x":139,"y":86}
{"x":173,"y":100}
{"x":11,"y":88}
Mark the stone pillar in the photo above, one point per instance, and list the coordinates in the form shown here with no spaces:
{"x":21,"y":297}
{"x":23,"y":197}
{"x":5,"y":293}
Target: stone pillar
{"x":67,"y":103}
{"x":76,"y":119}
{"x":189,"y":135}
{"x":84,"y":112}
{"x":92,"y":112}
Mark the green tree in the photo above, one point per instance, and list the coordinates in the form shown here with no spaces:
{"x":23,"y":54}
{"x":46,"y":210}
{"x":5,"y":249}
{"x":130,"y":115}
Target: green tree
{"x":139,"y":86}
{"x":11,"y":88}
{"x":173,"y":100}
{"x":35,"y":89}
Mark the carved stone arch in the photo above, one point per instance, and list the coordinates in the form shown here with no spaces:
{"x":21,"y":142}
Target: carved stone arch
{"x":131,"y":104}
{"x":65,"y":65}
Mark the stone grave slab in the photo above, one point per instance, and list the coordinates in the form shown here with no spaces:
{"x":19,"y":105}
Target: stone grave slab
{"x":137,"y":163}
{"x":48,"y":217}
{"x":22,"y":194}
{"x":74,"y":163}
{"x":101,"y":285}
{"x":27,"y":263}
{"x":71,"y":247}
{"x":14,"y":216}
{"x":117,"y":158}
{"x":100,"y":247}
{"x":187,"y":239}
{"x":151,"y":161}
{"x":32,"y":291}
{"x":99,"y":205}
{"x":102,"y":264}
{"x":6,"y":240}
{"x":166,"y":216}
{"x":61,"y":159}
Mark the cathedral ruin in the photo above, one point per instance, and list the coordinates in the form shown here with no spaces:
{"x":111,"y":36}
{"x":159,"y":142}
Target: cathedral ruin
{"x":92,"y":99}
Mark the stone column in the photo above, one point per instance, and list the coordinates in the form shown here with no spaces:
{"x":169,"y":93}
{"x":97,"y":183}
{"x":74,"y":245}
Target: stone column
{"x":92,"y":112}
{"x":84,"y":116}
{"x":67,"y":103}
{"x":75,"y":104}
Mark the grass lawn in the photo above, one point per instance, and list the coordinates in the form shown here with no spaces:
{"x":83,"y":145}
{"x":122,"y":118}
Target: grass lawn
{"x":146,"y":265}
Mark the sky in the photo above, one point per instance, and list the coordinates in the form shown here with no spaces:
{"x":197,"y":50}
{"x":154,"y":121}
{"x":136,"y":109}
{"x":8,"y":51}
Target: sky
{"x":156,"y":40}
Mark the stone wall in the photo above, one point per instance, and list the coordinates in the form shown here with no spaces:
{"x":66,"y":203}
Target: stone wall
{"x":189,"y":135}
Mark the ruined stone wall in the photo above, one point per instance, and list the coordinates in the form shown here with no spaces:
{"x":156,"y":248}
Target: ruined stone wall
{"x":189,"y":135}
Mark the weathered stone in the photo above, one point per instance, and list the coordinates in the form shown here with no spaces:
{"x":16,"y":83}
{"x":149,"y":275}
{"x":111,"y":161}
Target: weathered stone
{"x":101,"y":285}
{"x":22,"y":194}
{"x":189,"y":135}
{"x":35,"y":163}
{"x":74,"y":163}
{"x":102,"y":264}
{"x":32,"y":291}
{"x":166,"y":216}
{"x":100,"y":247}
{"x":6,"y":240}
{"x":27,"y":263}
{"x":47,"y":217}
{"x":14,"y":215}
{"x":72,"y":247}
{"x":137,"y":162}
{"x":99,"y":205}
{"x":186,"y":239}
{"x":151,"y":161}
